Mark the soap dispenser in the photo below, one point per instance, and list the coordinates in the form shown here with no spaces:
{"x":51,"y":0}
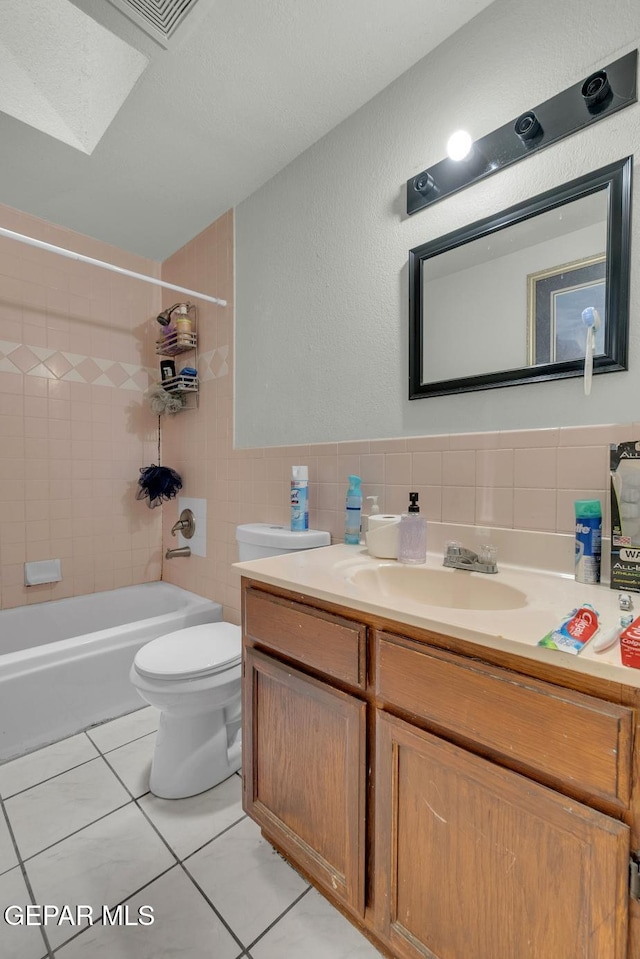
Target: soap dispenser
{"x":412,"y":535}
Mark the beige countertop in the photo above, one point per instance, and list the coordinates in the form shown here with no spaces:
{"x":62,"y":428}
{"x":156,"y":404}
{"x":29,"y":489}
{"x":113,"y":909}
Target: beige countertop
{"x":335,"y":574}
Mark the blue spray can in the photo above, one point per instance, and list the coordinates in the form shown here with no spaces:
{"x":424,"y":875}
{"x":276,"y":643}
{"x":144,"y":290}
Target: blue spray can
{"x":299,"y":497}
{"x":588,"y":540}
{"x":353,"y":511}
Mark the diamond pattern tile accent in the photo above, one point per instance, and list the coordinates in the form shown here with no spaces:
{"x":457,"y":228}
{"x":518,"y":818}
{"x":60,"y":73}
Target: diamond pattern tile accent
{"x":116,"y":375}
{"x":213,"y":363}
{"x":73,"y":367}
{"x":24,"y":359}
{"x":88,"y":370}
{"x":58,"y":364}
{"x":6,"y":366}
{"x":41,"y":370}
{"x":141,"y":379}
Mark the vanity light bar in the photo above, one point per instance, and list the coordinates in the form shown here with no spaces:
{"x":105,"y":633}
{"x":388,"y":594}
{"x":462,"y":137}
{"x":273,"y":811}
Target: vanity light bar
{"x":600,"y":94}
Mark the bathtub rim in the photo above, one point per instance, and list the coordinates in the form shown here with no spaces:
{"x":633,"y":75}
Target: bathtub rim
{"x":21,"y":661}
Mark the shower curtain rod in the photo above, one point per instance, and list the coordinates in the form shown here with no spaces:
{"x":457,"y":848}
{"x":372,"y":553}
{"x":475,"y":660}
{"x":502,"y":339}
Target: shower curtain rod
{"x":30,"y":241}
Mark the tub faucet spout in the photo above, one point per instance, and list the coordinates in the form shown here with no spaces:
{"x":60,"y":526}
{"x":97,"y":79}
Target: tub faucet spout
{"x":182,"y":551}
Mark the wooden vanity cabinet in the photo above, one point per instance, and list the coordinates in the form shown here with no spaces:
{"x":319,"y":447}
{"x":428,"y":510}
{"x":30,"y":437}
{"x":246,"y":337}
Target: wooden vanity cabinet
{"x":500,"y":813}
{"x":304,"y":742}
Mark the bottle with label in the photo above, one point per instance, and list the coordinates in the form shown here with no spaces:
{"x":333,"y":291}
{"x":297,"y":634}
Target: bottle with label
{"x":588,"y":540}
{"x":412,"y":534}
{"x":184,"y":326}
{"x":299,"y":497}
{"x":353,"y":512}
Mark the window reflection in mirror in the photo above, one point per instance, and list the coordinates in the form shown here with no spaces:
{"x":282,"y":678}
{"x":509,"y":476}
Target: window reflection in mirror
{"x":501,"y":302}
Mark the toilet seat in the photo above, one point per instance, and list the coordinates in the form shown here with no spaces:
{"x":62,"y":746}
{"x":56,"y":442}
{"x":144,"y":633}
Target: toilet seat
{"x":191,"y":653}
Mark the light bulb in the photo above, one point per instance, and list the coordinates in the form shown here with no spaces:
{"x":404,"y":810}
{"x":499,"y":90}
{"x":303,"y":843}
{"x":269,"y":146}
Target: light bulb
{"x":459,"y":144}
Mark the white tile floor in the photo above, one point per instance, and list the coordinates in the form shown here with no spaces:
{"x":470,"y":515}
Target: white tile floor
{"x":78,"y":826}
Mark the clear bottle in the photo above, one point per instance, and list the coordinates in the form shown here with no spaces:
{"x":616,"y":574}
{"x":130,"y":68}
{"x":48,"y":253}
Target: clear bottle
{"x":412,"y":534}
{"x":353,"y":512}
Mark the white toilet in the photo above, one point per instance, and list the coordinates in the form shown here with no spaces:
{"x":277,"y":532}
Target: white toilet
{"x":193,"y":677}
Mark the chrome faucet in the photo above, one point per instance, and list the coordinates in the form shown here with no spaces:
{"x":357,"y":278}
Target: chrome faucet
{"x":458,"y":557}
{"x":181,"y":551}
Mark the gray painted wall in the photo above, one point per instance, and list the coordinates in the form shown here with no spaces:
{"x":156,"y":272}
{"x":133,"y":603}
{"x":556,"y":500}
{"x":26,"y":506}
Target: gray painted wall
{"x":321,"y":342}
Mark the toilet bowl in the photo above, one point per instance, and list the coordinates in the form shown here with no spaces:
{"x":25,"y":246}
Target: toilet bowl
{"x":193,"y":677}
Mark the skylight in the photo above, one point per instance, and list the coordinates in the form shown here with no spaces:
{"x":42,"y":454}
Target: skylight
{"x":61,"y":72}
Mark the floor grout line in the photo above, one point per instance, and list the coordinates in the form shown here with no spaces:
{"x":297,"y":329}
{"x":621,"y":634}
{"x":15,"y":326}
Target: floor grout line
{"x":84,"y":762}
{"x":25,"y":877}
{"x":216,"y":912}
{"x":112,"y":749}
{"x":49,"y":779}
{"x":177,"y":858}
{"x":76,"y":831}
{"x":213,"y":838}
{"x":278,"y":918}
{"x":98,"y":922}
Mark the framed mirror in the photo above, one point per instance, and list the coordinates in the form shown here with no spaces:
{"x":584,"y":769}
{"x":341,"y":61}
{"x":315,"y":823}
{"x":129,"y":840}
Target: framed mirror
{"x":501,"y":302}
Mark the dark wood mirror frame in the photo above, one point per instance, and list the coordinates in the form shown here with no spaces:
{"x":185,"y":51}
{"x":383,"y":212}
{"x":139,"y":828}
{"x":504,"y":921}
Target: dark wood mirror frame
{"x":616,"y":177}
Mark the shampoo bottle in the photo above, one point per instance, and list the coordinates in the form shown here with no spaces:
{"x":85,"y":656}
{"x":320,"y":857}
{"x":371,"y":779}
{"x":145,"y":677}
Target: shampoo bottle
{"x":299,"y":497}
{"x":353,"y":512}
{"x":412,"y":535}
{"x":184,"y":326}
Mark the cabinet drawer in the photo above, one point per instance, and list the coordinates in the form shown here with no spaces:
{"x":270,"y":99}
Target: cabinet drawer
{"x":566,"y":738}
{"x":324,"y":642}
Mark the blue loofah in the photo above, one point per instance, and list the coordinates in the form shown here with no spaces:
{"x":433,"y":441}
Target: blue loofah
{"x":158,"y":483}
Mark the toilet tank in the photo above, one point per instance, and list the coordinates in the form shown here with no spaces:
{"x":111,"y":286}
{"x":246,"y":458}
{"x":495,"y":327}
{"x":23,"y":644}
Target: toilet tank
{"x":257,"y":540}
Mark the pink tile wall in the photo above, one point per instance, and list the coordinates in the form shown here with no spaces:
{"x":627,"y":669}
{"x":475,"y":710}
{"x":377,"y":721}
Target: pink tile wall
{"x":198,"y":442}
{"x":526,"y":479}
{"x":75,"y":345}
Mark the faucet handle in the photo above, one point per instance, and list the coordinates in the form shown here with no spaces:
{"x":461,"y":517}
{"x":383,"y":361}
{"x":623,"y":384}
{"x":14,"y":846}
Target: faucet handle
{"x":488,"y":554}
{"x":453,"y":549}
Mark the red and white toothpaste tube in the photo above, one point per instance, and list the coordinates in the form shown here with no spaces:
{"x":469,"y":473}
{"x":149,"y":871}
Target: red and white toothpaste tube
{"x":570,"y":637}
{"x":630,"y":644}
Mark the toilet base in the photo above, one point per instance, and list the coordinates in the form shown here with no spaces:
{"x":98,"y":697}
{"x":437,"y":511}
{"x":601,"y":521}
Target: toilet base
{"x":193,"y":754}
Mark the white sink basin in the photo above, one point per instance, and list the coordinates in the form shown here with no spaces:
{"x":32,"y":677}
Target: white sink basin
{"x":453,"y":588}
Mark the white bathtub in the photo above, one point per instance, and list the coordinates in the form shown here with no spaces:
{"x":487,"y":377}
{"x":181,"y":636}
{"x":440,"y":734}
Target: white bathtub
{"x":65,"y":665}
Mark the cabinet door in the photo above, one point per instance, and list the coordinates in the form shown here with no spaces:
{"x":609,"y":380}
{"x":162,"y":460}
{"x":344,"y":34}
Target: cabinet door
{"x":304,"y":769}
{"x":476,"y":860}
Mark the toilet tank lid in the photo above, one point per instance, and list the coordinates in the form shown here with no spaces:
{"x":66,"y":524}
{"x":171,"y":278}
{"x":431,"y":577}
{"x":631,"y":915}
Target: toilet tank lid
{"x":281,"y":537}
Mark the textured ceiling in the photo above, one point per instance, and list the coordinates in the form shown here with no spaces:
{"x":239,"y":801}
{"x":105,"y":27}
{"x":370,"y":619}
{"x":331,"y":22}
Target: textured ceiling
{"x":242,"y":89}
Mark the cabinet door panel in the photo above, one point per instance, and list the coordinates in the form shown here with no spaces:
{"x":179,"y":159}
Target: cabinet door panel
{"x":473,"y":859}
{"x":304,"y":772}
